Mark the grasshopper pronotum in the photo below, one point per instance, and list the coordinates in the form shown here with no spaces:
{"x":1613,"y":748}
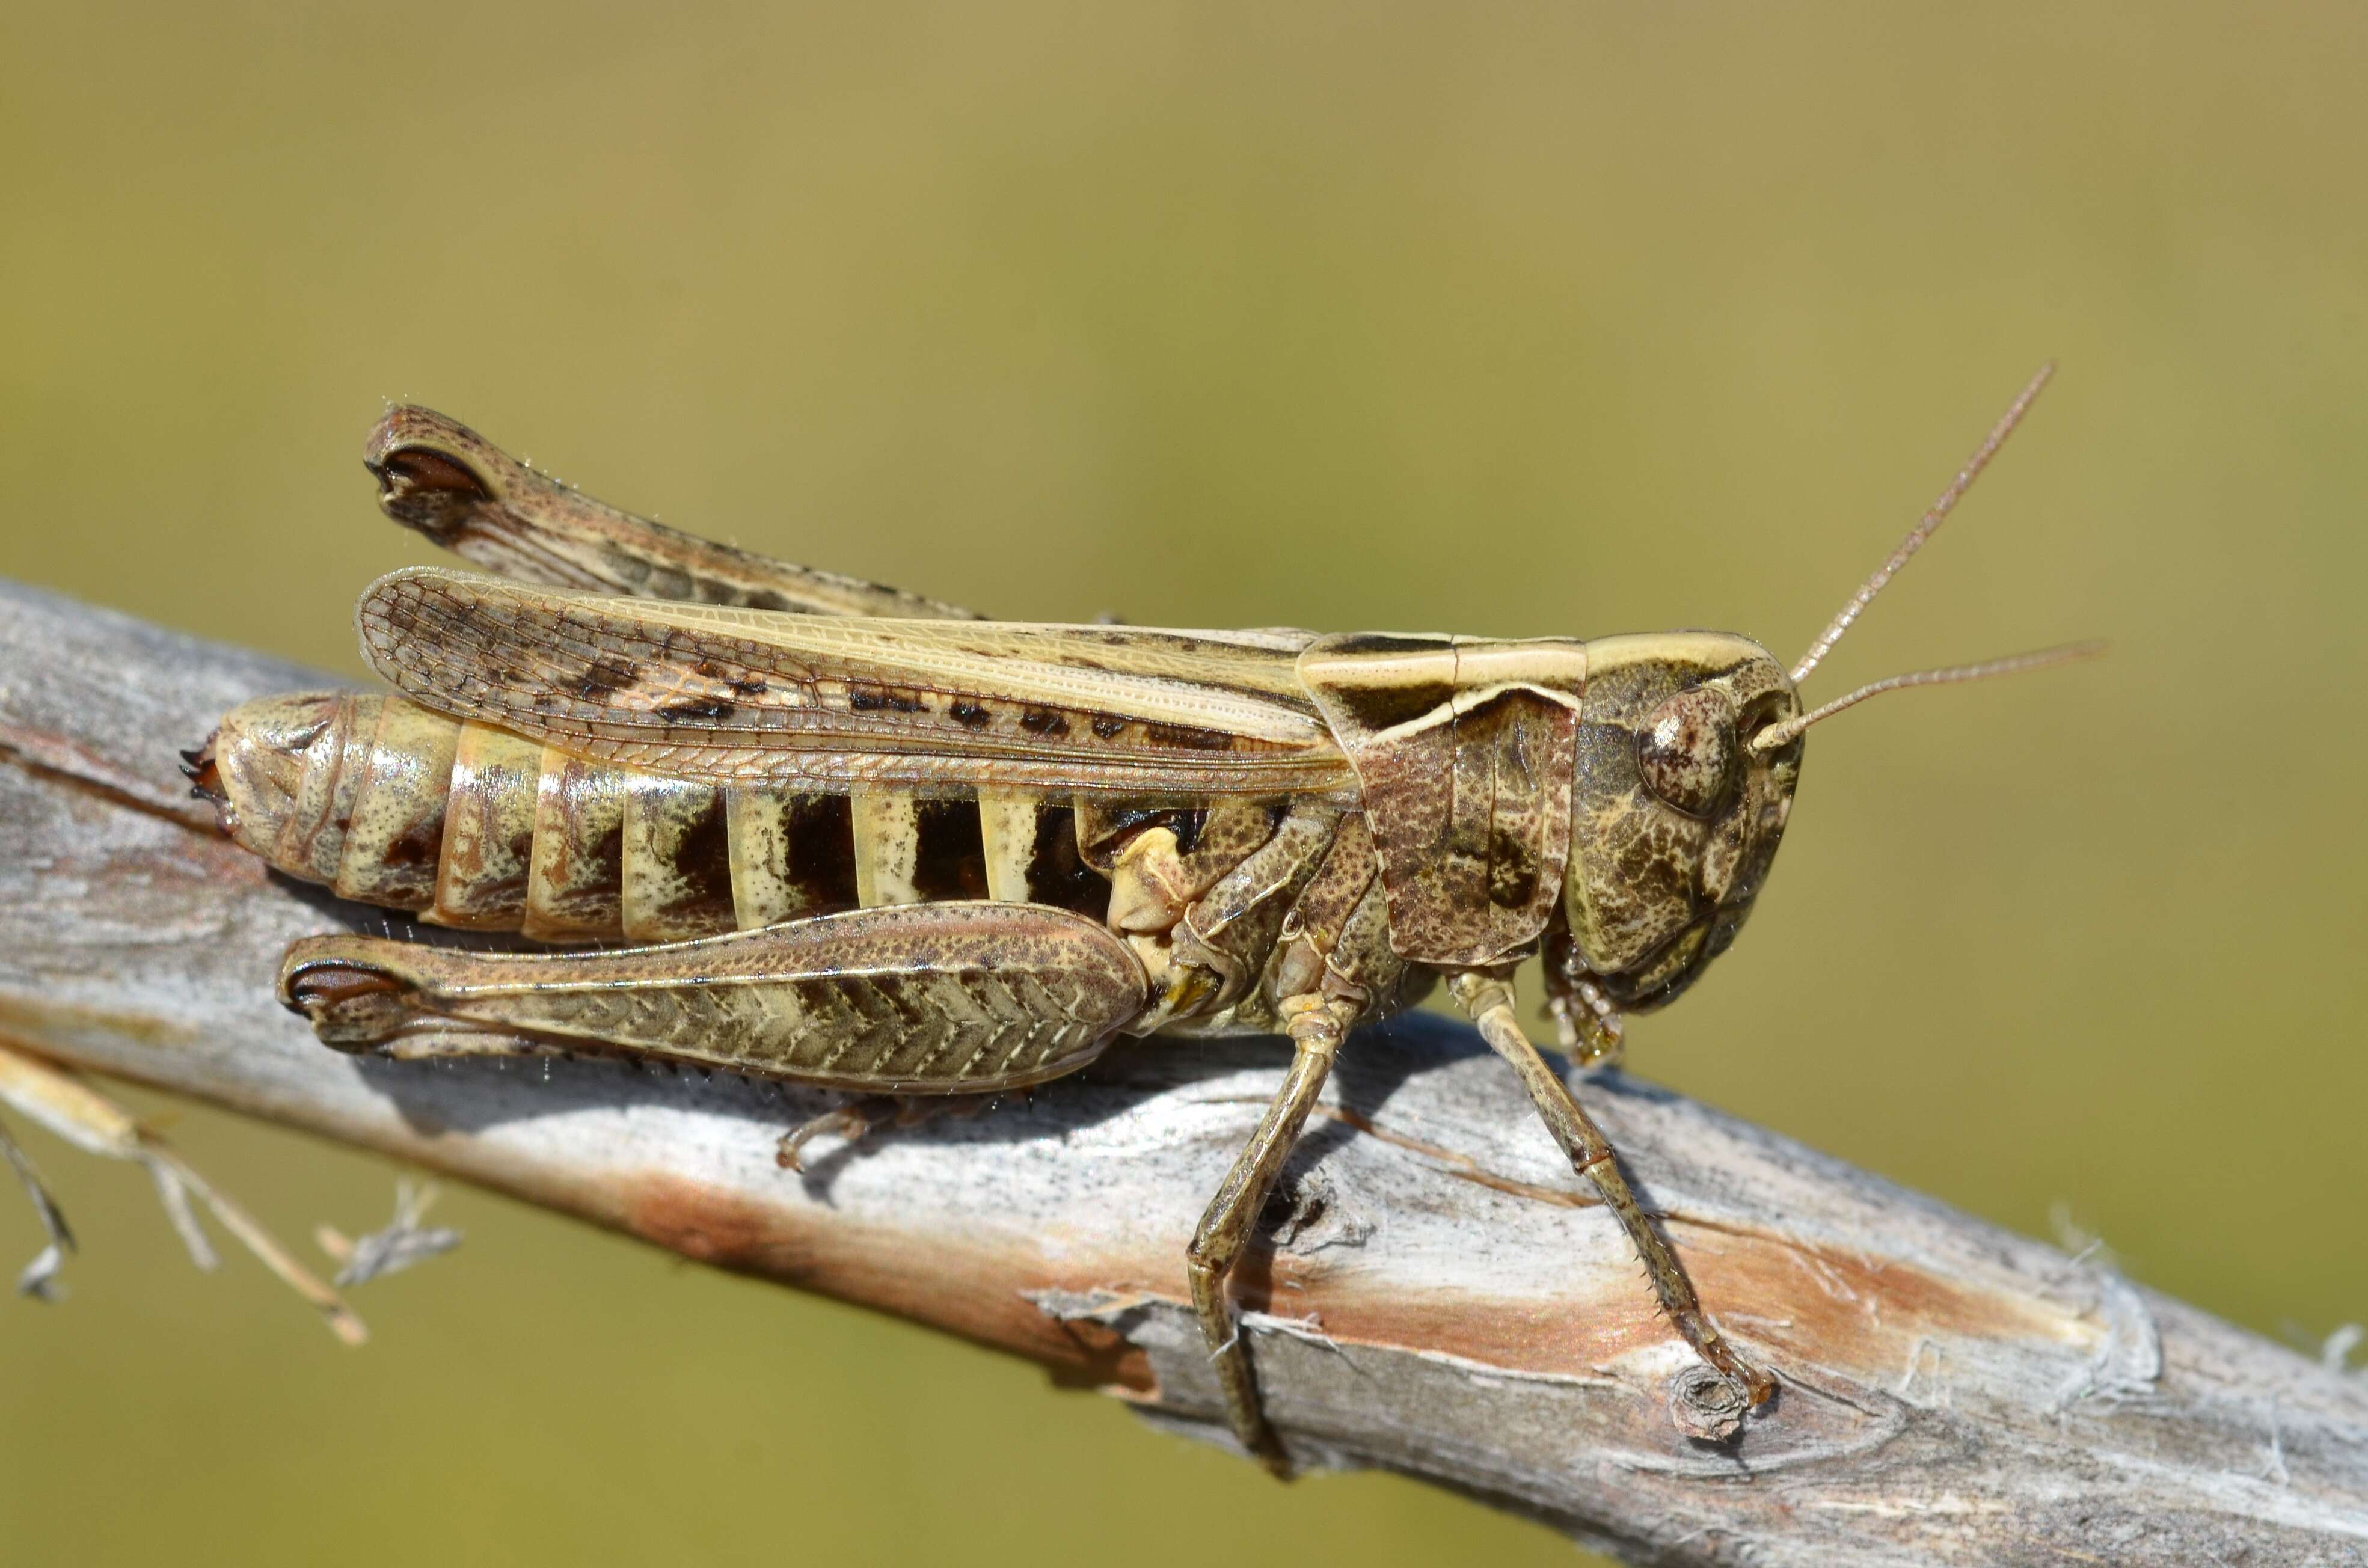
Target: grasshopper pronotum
{"x":861,"y":839}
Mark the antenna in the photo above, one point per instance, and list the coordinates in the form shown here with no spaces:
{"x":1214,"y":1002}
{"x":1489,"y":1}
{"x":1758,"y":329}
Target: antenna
{"x":1925,"y":527}
{"x":1775,"y":735}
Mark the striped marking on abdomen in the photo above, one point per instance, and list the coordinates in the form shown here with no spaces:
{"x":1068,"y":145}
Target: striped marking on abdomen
{"x":474,"y":827}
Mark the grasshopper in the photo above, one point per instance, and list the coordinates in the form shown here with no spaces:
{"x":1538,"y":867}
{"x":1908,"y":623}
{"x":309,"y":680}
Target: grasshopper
{"x":852,"y":838}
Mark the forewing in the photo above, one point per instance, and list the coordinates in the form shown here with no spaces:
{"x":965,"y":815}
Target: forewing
{"x":706,"y":692}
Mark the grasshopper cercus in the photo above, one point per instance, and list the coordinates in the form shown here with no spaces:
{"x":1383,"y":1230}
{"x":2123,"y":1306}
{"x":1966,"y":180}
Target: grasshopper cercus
{"x":858,"y":839}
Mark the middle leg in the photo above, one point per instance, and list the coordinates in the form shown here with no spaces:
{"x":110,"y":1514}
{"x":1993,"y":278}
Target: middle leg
{"x":859,"y":1119}
{"x":1316,"y":1029}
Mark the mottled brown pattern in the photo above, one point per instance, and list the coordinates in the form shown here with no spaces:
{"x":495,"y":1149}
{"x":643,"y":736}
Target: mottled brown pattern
{"x":488,"y":831}
{"x":841,"y":702}
{"x":1686,"y":750}
{"x":394,"y":837}
{"x":438,"y":476}
{"x":1225,"y":835}
{"x":1288,"y":856}
{"x":677,"y":861}
{"x":1469,"y":811}
{"x":1363,"y":956}
{"x":1299,"y":833}
{"x":1480,"y":798}
{"x":1349,"y":867}
{"x":1469,"y":800}
{"x":939,"y":998}
{"x":1658,"y":888}
{"x":575,"y":892}
{"x":1234,"y":929}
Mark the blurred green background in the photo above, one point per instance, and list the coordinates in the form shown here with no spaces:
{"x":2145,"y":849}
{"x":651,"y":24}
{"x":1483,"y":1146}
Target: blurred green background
{"x":1509,"y":320}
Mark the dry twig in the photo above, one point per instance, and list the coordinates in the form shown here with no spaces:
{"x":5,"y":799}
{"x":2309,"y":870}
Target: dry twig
{"x":1439,"y":1299}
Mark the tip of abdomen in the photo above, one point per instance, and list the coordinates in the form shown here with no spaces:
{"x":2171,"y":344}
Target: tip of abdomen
{"x":199,"y":767}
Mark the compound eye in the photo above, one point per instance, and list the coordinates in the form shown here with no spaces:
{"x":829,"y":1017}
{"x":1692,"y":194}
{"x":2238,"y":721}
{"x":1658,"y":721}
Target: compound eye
{"x":1687,"y":750}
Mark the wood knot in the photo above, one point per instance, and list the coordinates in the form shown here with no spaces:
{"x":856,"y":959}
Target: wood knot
{"x":1706,"y":1405}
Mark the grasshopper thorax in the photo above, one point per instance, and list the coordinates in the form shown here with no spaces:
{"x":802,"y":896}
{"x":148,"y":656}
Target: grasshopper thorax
{"x":1675,"y":814}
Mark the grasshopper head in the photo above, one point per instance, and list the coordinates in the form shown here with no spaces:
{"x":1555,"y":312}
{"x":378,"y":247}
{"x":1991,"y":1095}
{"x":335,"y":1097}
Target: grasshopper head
{"x":1676,"y":814}
{"x":1689,"y":752}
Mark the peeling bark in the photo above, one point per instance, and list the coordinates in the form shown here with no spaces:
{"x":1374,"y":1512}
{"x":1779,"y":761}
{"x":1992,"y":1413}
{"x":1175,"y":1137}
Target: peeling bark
{"x":1439,"y":1299}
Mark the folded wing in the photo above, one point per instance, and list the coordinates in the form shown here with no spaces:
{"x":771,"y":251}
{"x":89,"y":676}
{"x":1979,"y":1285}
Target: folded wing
{"x":741,"y":694}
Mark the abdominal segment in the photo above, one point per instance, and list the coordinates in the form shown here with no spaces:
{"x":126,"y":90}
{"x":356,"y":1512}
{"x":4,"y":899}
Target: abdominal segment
{"x":471,"y":827}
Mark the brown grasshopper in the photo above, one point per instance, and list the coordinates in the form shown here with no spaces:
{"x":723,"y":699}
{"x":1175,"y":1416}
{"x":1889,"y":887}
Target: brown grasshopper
{"x":857,"y":838}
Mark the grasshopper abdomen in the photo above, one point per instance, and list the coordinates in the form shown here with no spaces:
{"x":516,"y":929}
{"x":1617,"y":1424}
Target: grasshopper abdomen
{"x":468,"y":825}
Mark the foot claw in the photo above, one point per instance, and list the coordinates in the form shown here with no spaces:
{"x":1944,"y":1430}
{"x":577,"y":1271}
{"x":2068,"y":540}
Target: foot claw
{"x":849,"y":1121}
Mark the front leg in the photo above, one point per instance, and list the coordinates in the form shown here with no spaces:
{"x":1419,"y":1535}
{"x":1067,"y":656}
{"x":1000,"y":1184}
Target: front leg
{"x":1489,"y":1003}
{"x":1317,"y":1028}
{"x":1587,"y":1025}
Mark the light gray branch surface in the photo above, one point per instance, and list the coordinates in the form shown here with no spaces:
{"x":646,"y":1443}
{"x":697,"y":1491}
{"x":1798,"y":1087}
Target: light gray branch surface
{"x":1439,"y":1299}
